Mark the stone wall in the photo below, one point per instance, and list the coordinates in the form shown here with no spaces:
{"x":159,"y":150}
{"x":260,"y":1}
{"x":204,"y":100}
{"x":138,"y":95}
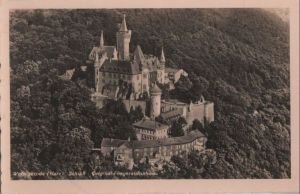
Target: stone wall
{"x":134,"y":104}
{"x":201,"y":112}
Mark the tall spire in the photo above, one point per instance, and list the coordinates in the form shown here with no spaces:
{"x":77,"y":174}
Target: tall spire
{"x":162,"y":56}
{"x":101,"y":39}
{"x":123,"y":25}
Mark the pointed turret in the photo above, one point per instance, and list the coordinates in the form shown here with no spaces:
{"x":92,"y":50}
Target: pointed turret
{"x":162,"y":56}
{"x":123,"y":27}
{"x":101,"y":40}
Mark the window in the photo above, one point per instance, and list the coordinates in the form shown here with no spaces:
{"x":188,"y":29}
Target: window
{"x":144,"y":86}
{"x":138,"y":77}
{"x":103,"y":74}
{"x":145,"y":75}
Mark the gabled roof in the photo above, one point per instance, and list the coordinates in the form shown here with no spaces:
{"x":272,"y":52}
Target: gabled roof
{"x":193,"y":135}
{"x":138,"y":54}
{"x":151,"y":62}
{"x":109,"y":50}
{"x":140,"y":144}
{"x":123,"y":67}
{"x":150,"y":125}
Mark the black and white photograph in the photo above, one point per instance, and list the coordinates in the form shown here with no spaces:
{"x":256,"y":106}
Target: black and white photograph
{"x":182,"y":93}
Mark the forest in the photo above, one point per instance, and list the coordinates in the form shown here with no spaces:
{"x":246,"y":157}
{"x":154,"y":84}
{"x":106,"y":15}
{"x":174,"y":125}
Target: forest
{"x":236,"y":58}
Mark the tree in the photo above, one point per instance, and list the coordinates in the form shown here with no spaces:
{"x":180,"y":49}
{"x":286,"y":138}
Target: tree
{"x":176,"y":129}
{"x":198,"y":126}
{"x":136,"y":114}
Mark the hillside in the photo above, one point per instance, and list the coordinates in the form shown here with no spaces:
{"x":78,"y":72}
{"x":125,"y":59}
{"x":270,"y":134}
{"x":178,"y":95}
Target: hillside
{"x":237,"y":58}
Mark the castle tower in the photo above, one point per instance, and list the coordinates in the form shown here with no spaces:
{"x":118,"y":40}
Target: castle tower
{"x":162,"y":60}
{"x":101,"y":40}
{"x":155,"y":94}
{"x":123,"y":40}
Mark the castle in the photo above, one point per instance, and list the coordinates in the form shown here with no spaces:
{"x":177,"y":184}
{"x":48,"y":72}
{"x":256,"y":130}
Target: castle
{"x":118,"y":75}
{"x":134,"y":79}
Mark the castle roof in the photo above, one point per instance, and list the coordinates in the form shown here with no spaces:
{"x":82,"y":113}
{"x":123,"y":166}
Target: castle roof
{"x":193,"y":135}
{"x":155,"y":89}
{"x":151,"y":62}
{"x":123,"y":27}
{"x":123,"y":67}
{"x":140,"y":144}
{"x":150,"y":125}
{"x":138,"y":54}
{"x":109,"y":50}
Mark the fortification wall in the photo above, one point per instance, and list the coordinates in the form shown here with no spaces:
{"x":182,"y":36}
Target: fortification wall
{"x":209,"y":112}
{"x":195,"y":112}
{"x":134,"y":104}
{"x":167,"y":106}
{"x":201,"y":112}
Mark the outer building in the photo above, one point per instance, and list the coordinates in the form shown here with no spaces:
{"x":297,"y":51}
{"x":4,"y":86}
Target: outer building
{"x":173,"y":75}
{"x":146,"y":129}
{"x":125,"y":151}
